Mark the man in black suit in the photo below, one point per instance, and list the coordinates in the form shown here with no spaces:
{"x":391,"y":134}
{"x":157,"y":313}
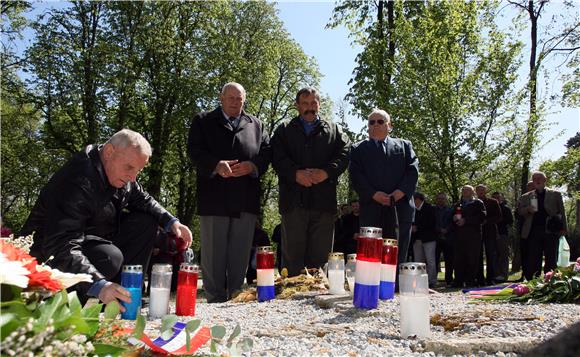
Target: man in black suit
{"x":424,"y":235}
{"x":384,"y":172}
{"x":231,"y":150}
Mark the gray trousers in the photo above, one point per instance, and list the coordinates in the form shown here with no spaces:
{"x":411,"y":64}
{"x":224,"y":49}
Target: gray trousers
{"x":225,"y":251}
{"x":306,"y":239}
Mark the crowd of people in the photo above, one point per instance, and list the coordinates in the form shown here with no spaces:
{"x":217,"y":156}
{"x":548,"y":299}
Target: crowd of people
{"x":93,"y":216}
{"x":477,"y":227}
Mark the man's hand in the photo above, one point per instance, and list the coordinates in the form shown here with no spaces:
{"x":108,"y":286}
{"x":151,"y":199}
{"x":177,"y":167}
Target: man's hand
{"x":183,"y":232}
{"x":397,"y":195}
{"x":317,"y":175}
{"x":303,"y":178}
{"x":223,"y":168}
{"x":382,"y":198}
{"x":114,"y":292}
{"x":242,"y":168}
{"x":413,"y":228}
{"x":460,"y":222}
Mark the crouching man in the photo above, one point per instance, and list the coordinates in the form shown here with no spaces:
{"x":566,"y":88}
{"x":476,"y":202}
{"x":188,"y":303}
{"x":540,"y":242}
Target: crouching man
{"x":93,"y":217}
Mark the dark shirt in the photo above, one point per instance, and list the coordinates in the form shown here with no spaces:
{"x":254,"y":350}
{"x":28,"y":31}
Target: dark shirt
{"x":443,"y":219}
{"x":540,"y":216}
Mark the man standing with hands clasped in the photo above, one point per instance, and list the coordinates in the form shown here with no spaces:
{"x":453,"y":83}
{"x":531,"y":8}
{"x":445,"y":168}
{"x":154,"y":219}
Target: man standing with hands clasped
{"x":231,"y":150}
{"x":309,"y":154}
{"x":384,"y":172}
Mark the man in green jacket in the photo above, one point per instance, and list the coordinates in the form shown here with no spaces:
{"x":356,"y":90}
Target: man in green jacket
{"x":309,"y":155}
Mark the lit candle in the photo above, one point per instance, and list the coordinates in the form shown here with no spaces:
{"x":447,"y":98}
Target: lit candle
{"x":368,"y":268}
{"x":265,"y":273}
{"x":160,"y":290}
{"x":186,"y":289}
{"x":132,"y":281}
{"x":388,"y":269}
{"x":336,"y":273}
{"x":414,"y":300}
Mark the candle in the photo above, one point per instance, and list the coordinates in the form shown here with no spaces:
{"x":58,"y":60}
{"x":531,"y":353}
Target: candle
{"x":132,"y":281}
{"x":350,"y":270}
{"x":388,"y":269}
{"x":368,"y":268}
{"x":414,"y":316}
{"x":160,"y":290}
{"x":186,"y":289}
{"x":265,"y":273}
{"x":335,"y":273}
{"x":414,"y":300}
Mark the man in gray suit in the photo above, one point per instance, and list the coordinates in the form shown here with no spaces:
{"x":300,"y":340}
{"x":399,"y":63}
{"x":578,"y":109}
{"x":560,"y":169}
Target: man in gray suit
{"x":544,"y":221}
{"x":384,"y":172}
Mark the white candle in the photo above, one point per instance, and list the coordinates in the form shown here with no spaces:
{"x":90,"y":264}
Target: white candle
{"x":336,"y":281}
{"x":414,"y":316}
{"x":350,"y":280}
{"x":158,"y":302}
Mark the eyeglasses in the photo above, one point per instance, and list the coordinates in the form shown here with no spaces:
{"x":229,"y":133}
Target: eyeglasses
{"x":378,"y":121}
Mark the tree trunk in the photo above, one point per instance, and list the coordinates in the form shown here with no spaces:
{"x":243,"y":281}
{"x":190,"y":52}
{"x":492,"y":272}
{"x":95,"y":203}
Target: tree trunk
{"x":532,"y":84}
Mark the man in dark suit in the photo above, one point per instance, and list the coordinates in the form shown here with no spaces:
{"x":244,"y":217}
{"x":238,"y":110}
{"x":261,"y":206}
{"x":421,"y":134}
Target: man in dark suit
{"x":309,"y":155}
{"x":489,"y":236}
{"x":467,"y":220}
{"x":384,"y":172}
{"x":231,"y":150}
{"x":424,"y":236}
{"x":503,"y":230}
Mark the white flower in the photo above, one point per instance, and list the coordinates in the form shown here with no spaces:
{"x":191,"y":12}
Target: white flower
{"x":66,"y":279}
{"x":13,"y":272}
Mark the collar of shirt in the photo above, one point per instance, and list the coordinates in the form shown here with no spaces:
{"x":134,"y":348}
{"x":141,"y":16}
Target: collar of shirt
{"x":235,"y":121}
{"x":309,"y":125}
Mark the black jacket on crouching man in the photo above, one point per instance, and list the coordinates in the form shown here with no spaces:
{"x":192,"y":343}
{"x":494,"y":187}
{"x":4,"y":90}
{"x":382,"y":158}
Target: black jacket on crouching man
{"x":79,"y":219}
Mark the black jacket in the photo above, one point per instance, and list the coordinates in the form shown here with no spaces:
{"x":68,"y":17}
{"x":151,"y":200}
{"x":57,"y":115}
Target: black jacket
{"x":326,"y":148}
{"x":77,"y":202}
{"x":211,"y":139}
{"x":426,"y":222}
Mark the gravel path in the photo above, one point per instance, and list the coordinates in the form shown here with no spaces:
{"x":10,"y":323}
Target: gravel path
{"x":299,"y":327}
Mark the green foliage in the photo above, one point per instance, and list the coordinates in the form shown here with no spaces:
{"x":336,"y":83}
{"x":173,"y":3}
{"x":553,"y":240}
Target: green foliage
{"x":452,"y":75}
{"x":97,"y":67}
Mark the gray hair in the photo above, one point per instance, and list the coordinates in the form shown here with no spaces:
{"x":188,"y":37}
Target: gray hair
{"x":383,"y":114}
{"x":129,"y":138}
{"x":234,"y":85}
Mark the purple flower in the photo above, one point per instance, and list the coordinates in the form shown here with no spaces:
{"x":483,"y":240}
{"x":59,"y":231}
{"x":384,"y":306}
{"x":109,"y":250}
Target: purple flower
{"x":548,"y":276}
{"x":521,"y":290}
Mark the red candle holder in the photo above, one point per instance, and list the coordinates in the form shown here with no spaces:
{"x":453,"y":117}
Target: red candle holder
{"x":186,"y":289}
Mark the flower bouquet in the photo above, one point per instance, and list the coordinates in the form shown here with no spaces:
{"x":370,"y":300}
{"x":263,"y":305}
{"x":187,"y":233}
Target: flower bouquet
{"x":559,"y":286}
{"x":38,"y":316}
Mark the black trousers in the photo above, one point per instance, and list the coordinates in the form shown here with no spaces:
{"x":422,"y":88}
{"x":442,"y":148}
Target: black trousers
{"x":131,"y":246}
{"x":540,"y":244}
{"x":489,"y":243}
{"x":467,"y":244}
{"x":447,"y":248}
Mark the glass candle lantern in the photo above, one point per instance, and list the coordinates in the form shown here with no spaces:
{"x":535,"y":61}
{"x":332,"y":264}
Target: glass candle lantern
{"x":160,"y":290}
{"x":414,"y":300}
{"x":368,"y":268}
{"x":265,"y":273}
{"x":132,"y":281}
{"x":388,"y":269}
{"x":336,"y":273}
{"x":186,"y":289}
{"x":350,"y":270}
